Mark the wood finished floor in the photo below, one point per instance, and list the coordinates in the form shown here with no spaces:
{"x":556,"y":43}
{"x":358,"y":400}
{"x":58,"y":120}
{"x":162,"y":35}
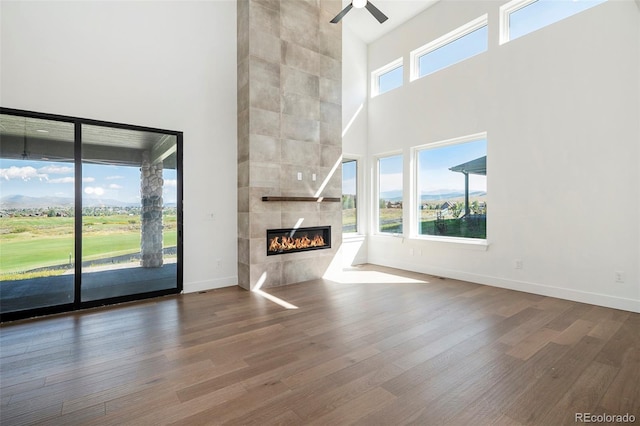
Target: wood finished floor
{"x":396,"y":348}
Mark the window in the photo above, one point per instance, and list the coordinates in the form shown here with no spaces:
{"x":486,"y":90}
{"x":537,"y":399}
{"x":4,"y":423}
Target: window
{"x":387,"y":78}
{"x":452,"y":188}
{"x":520,"y":17}
{"x":456,"y":46}
{"x":390,"y":194}
{"x":349,"y":196}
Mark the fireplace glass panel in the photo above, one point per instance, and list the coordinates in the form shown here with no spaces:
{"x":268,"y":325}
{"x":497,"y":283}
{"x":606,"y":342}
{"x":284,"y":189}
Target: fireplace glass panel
{"x":291,"y":240}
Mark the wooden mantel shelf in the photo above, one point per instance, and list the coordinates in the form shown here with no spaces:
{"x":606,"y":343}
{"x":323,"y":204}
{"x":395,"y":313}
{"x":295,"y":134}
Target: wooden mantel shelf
{"x":314,"y":199}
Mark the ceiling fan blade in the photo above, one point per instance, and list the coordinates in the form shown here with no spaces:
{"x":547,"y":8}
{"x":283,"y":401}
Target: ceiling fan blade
{"x":381,"y":17}
{"x":340,"y":15}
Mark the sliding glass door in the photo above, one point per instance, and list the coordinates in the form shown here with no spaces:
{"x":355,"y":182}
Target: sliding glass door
{"x":129,"y":212}
{"x":90,"y":213}
{"x":37,"y":251}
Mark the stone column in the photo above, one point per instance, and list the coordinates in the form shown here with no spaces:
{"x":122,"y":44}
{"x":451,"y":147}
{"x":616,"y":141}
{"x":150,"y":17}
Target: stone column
{"x":289,"y":124}
{"x":151,"y":214}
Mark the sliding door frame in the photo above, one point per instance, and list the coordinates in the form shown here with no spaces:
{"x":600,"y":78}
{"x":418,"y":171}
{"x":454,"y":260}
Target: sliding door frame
{"x":77,"y":303}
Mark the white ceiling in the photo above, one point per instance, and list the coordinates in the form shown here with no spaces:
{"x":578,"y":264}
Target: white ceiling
{"x":368,"y":29}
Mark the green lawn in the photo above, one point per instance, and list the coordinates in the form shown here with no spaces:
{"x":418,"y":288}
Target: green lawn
{"x":29,"y":243}
{"x":348,"y":220}
{"x":390,"y":220}
{"x":474,"y":228}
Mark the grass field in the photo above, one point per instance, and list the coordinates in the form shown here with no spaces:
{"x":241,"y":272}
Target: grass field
{"x":456,"y":228}
{"x":390,"y":221}
{"x":37,"y":242}
{"x":348,"y":220}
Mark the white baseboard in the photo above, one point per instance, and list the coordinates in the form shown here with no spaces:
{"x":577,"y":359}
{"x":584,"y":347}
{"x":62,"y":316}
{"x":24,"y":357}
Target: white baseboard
{"x":608,"y":301}
{"x":209,"y":284}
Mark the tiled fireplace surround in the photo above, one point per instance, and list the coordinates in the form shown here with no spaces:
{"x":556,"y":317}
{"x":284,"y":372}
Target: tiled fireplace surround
{"x":289,"y":122}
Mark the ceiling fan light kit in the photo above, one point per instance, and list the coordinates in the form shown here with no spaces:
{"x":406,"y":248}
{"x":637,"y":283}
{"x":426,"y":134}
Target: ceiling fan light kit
{"x":358,"y":4}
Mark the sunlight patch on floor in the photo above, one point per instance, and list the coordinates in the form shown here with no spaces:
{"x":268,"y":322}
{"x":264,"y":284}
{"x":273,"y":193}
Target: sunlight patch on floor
{"x":257,"y":289}
{"x":275,"y":299}
{"x":355,"y":276}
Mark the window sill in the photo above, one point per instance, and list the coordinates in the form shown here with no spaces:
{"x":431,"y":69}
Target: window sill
{"x":353,"y":237}
{"x":467,"y":243}
{"x":387,"y":235}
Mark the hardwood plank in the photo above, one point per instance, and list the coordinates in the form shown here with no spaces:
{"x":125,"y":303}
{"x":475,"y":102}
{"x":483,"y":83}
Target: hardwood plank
{"x":527,"y":328}
{"x":545,"y":390}
{"x":501,"y":395}
{"x":623,"y":395}
{"x":526,"y":348}
{"x":171,"y":413}
{"x":80,"y":416}
{"x":583,"y":395}
{"x":405,"y":349}
{"x":344,"y":393}
{"x":210,"y":385}
{"x":569,"y":316}
{"x":573,"y":333}
{"x":168,"y":379}
{"x":356,"y":408}
{"x":445,"y":406}
{"x":235,"y":407}
{"x":625,"y":338}
{"x":326,"y":368}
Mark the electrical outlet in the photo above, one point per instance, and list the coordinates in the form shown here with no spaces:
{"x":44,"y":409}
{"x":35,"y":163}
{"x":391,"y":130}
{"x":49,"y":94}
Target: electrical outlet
{"x":517,"y":264}
{"x":618,"y":276}
{"x":299,"y":175}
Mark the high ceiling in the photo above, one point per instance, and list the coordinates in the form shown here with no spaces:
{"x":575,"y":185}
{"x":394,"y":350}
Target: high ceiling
{"x":365,"y":26}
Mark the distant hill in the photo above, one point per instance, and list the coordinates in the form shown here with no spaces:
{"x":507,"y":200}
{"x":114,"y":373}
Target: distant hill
{"x":434,"y":196}
{"x":444,"y":194}
{"x":391,"y":195}
{"x":26,"y":202}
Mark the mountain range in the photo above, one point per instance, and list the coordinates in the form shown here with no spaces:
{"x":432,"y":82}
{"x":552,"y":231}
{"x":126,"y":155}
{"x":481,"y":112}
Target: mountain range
{"x":444,"y":194}
{"x":26,"y":202}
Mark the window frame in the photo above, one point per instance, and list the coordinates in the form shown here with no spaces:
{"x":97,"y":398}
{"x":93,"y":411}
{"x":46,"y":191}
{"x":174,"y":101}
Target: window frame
{"x":505,"y":17}
{"x":415,"y":196}
{"x":349,"y":159}
{"x":508,"y":8}
{"x":458,"y":33}
{"x":376,"y":199}
{"x":379,"y":72}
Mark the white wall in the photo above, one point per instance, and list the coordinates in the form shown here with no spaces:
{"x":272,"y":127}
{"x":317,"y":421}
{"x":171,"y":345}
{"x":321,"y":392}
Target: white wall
{"x":354,"y":138}
{"x":561,"y":108}
{"x":169,"y":65}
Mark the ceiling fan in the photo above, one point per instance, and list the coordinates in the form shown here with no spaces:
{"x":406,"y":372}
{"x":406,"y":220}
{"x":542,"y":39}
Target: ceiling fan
{"x":358,"y":4}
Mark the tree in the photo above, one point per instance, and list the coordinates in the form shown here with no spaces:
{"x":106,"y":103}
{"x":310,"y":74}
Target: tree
{"x":455,"y":209}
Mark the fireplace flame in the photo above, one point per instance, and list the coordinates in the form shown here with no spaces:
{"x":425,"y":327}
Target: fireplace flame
{"x":289,"y":243}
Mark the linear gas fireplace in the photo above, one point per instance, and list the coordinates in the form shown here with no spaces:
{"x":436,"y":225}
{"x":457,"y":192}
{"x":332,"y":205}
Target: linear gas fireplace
{"x":281,"y":241}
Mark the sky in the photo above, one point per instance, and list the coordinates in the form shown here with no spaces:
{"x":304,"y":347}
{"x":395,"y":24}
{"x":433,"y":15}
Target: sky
{"x":49,"y":178}
{"x":434,"y":175}
{"x":544,"y":12}
{"x":349,"y":170}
